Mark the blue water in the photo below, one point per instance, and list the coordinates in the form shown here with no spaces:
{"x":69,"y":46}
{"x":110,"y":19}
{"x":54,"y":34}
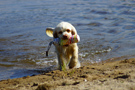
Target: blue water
{"x":106,"y":28}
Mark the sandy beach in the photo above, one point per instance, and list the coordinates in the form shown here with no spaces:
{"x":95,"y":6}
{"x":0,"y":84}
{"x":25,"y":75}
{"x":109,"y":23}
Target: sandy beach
{"x":110,"y":75}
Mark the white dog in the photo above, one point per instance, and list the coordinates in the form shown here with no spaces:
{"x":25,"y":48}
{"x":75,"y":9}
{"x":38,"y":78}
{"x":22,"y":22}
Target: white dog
{"x":67,"y":54}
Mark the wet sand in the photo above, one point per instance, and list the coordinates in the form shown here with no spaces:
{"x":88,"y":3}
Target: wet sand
{"x":110,"y":75}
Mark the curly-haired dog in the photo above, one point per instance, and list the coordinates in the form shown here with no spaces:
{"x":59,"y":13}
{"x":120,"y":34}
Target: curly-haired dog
{"x":67,"y":54}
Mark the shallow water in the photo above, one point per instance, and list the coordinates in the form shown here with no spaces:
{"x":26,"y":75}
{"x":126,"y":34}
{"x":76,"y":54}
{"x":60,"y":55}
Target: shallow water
{"x":106,"y":28}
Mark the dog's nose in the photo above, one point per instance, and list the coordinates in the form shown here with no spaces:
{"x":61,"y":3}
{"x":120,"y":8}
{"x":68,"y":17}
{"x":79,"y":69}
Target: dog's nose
{"x":65,"y":37}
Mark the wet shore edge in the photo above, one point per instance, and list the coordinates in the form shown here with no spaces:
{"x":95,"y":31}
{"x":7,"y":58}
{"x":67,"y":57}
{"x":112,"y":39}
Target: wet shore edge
{"x":107,"y":75}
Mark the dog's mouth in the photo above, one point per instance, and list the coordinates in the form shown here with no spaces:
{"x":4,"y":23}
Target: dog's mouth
{"x":66,"y":45}
{"x":65,"y":37}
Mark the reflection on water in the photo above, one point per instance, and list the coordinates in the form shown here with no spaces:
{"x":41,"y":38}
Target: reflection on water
{"x":106,"y":29}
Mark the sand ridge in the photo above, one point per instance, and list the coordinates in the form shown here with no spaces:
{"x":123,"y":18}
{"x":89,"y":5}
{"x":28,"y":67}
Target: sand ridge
{"x":117,"y":75}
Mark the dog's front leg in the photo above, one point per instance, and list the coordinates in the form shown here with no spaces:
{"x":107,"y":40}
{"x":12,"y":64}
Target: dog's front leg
{"x":61,"y":61}
{"x":74,"y":63}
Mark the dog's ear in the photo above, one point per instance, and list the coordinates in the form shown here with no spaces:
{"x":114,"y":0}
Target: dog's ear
{"x":49,"y":32}
{"x":73,"y":32}
{"x":55,"y":35}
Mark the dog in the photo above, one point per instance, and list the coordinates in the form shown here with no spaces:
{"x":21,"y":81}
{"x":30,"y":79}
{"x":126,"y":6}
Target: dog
{"x":67,"y":54}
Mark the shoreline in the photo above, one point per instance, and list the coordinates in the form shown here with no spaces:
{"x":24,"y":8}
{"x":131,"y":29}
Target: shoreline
{"x":114,"y":75}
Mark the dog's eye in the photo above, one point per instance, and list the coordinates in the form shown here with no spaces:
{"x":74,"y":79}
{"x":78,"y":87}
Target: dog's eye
{"x":68,"y":30}
{"x":60,"y":32}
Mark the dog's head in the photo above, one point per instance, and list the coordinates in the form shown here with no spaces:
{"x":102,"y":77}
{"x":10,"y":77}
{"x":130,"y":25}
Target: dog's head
{"x":63,"y":30}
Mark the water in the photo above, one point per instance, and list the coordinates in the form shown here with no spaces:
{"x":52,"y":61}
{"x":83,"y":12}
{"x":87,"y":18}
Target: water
{"x":106,"y":28}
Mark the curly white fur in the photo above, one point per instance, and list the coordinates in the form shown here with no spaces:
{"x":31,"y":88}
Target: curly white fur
{"x":67,"y":54}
